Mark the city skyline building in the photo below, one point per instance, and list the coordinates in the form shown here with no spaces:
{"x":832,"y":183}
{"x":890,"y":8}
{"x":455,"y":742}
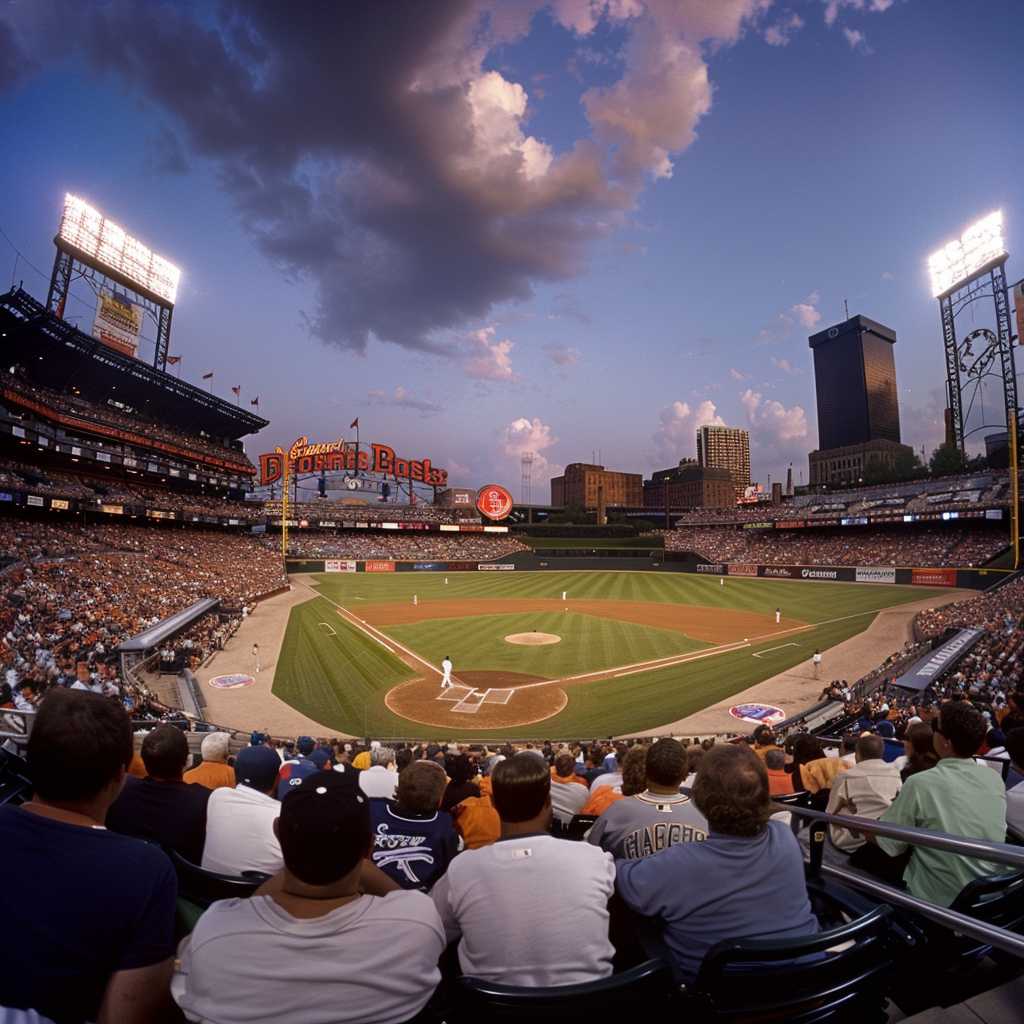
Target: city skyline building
{"x":587,"y":485}
{"x":726,"y":448}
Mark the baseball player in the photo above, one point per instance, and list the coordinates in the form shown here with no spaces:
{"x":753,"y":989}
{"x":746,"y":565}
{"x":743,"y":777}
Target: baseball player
{"x":778,"y":616}
{"x":564,"y":594}
{"x":817,"y":664}
{"x":721,"y":581}
{"x":415,"y":600}
{"x":446,"y":672}
{"x":256,"y":657}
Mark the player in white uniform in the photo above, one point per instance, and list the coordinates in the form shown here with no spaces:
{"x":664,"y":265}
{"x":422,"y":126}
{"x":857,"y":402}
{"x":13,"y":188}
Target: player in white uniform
{"x":256,"y":657}
{"x":446,"y":673}
{"x":778,"y":616}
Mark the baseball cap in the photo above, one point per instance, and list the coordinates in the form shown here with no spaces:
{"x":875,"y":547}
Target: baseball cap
{"x":320,"y":758}
{"x":324,"y":828}
{"x":305,"y":745}
{"x":257,"y":767}
{"x":256,"y":737}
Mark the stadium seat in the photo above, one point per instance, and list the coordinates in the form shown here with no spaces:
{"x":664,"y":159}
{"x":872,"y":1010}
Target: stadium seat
{"x":648,"y":985}
{"x":838,"y":974}
{"x":579,"y":826}
{"x":15,"y":785}
{"x":198,"y":888}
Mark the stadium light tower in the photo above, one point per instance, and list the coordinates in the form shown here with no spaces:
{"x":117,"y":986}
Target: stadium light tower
{"x":964,"y":271}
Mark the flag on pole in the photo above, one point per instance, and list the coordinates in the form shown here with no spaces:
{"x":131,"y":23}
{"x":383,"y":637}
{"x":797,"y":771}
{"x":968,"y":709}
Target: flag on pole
{"x":354,"y":425}
{"x":208,"y":376}
{"x":255,"y":401}
{"x":237,"y":389}
{"x":174,"y":360}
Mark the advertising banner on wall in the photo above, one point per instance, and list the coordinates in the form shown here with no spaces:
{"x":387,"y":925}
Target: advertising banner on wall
{"x":377,"y":565}
{"x":933,"y":577}
{"x":713,"y":568}
{"x":428,"y":566}
{"x":875,"y":574}
{"x":777,"y":572}
{"x":118,"y":322}
{"x":339,"y":565}
{"x":742,"y":570}
{"x":941,"y":660}
{"x":462,"y":566}
{"x":495,"y":566}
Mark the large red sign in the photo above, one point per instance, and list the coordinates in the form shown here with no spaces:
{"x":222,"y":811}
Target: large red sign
{"x":933,"y":577}
{"x":378,"y":565}
{"x":494,"y":501}
{"x":304,"y":457}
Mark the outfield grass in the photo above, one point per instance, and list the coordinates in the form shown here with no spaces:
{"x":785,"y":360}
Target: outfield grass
{"x":341,"y":680}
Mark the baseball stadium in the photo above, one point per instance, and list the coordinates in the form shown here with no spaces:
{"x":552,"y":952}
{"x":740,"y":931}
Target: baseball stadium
{"x":745,"y":753}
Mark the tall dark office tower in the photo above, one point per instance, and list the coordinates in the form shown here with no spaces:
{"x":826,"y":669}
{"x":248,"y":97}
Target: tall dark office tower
{"x":855,"y":379}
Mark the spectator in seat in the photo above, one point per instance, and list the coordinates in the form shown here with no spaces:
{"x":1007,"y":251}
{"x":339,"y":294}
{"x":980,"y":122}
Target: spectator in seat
{"x":764,"y":740}
{"x":780,"y":782}
{"x":214,"y":772}
{"x":658,"y":817}
{"x":380,"y":779}
{"x":1015,"y":781}
{"x":812,"y":771}
{"x":568,"y":791}
{"x":865,"y":791}
{"x":328,"y":940}
{"x":240,"y":821}
{"x":493,"y":898}
{"x":163,"y":808}
{"x":414,"y":841}
{"x":295,"y":769}
{"x":746,"y":880}
{"x":958,"y":796}
{"x":88,"y":913}
{"x":463,"y":782}
{"x":476,"y":819}
{"x":919,"y":744}
{"x":634,"y":780}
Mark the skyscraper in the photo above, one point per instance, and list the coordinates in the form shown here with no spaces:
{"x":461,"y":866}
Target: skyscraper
{"x":725,"y":448}
{"x":855,"y":379}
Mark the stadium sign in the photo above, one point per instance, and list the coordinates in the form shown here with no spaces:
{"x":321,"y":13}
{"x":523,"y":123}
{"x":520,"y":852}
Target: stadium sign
{"x":742,"y":570}
{"x":495,"y":566}
{"x":819,"y":574}
{"x":714,"y":568}
{"x":494,"y":501}
{"x":933,"y":577}
{"x":339,"y":565}
{"x":378,"y":565}
{"x":875,"y":574}
{"x":760,"y":714}
{"x":331,"y":456}
{"x":778,"y":572}
{"x":939,"y":661}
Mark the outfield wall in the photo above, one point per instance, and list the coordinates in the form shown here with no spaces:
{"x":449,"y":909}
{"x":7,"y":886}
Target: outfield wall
{"x":669,"y":561}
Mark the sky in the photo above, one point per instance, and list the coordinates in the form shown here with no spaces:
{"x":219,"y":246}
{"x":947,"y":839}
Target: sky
{"x":578,"y":228}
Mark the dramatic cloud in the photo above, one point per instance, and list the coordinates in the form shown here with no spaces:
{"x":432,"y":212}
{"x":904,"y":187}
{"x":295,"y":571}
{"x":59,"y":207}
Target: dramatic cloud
{"x":489,"y":359}
{"x":562,"y":355}
{"x":806,"y":313}
{"x":402,"y":399}
{"x":778,"y":435}
{"x":676,"y":436}
{"x":382,"y":158}
{"x":780,"y":32}
{"x":530,"y":435}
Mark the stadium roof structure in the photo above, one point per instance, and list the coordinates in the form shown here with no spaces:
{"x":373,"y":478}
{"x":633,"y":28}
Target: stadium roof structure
{"x":56,"y":354}
{"x":165,"y":629}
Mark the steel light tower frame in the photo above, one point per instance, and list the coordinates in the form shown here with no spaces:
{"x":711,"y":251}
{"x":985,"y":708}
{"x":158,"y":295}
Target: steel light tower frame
{"x":965,"y":364}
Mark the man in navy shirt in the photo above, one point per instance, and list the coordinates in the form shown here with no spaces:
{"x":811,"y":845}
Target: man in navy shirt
{"x":745,"y":881}
{"x":294,"y":770}
{"x":163,"y":808}
{"x":413,"y":841}
{"x":89,"y":913}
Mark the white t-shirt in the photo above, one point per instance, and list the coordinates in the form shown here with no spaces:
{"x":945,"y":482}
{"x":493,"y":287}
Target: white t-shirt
{"x":371,"y":961}
{"x":240,"y":832}
{"x":567,"y":799}
{"x":378,"y":781}
{"x":1015,"y":808}
{"x":495,"y":896}
{"x":608,"y":779}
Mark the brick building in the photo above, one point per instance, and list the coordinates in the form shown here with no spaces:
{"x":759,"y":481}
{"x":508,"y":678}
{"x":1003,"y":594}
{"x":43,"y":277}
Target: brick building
{"x":584,"y":485}
{"x":690,"y":486}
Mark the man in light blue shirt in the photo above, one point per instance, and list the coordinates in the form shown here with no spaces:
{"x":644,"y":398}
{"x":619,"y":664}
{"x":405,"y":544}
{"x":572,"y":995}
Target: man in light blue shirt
{"x":746,"y":880}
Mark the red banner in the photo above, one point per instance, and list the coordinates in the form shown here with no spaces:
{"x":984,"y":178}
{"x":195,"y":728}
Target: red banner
{"x":379,"y":566}
{"x":742,"y":570}
{"x":933,"y":577}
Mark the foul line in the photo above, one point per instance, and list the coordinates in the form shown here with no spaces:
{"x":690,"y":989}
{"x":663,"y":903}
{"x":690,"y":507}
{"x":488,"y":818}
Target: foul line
{"x":768,"y":650}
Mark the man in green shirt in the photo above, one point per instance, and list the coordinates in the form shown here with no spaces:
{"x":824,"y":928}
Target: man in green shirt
{"x":958,"y":796}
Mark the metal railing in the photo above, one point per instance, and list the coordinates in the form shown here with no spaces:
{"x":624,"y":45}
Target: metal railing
{"x":996,"y":853}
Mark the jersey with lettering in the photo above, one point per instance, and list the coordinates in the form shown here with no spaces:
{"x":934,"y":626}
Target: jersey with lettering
{"x":412,"y":849}
{"x":292,"y":773}
{"x":640,"y":825}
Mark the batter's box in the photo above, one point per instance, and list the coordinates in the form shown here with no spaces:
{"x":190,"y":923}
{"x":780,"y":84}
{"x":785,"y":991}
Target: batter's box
{"x":498,"y":696}
{"x":456,"y":692}
{"x":471,"y":705}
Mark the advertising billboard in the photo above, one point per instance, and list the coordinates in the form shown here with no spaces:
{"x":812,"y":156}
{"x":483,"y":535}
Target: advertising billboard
{"x":715,"y":568}
{"x":742,"y":570}
{"x":339,"y":565}
{"x":933,"y":577}
{"x":495,"y":566}
{"x":875,"y":574}
{"x":118,"y":322}
{"x":378,"y":565}
{"x":493,"y":501}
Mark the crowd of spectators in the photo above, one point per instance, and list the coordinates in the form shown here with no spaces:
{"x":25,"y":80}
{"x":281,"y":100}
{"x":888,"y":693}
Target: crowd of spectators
{"x":925,"y":545}
{"x":122,"y":419}
{"x":72,"y":594}
{"x":417,"y":547}
{"x":431,"y":844}
{"x":384,"y":512}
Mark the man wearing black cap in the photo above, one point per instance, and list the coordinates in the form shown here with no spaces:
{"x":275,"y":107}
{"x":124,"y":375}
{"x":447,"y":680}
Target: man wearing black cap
{"x":300,"y":767}
{"x":312,"y":935}
{"x":240,"y":821}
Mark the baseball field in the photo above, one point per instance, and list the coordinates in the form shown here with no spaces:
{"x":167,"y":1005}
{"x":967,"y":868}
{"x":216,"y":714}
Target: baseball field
{"x":623,"y":652}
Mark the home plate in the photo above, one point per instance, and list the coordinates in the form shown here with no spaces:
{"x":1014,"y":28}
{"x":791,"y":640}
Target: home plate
{"x":456,"y":693}
{"x":471,"y":704}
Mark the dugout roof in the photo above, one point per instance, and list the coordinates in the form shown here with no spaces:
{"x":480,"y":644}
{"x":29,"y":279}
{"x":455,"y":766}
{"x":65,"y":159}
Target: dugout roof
{"x":56,"y":355}
{"x":156,"y":635}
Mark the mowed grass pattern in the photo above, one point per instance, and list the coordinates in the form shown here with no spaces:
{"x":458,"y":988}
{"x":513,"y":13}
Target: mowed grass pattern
{"x":341,"y":681}
{"x":588,"y":643}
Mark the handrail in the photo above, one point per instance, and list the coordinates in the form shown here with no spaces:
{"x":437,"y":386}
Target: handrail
{"x":998,"y":853}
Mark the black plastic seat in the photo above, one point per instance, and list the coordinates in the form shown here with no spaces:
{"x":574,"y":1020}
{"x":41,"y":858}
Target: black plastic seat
{"x":995,"y":899}
{"x":646,"y":986}
{"x":840,"y":974}
{"x":579,"y":826}
{"x":198,"y":888}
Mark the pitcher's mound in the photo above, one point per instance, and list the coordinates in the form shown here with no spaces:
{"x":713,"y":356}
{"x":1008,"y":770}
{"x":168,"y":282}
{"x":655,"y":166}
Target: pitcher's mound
{"x":533,"y":639}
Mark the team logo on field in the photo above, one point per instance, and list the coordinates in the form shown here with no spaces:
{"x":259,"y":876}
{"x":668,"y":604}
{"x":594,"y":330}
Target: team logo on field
{"x":232,"y":682}
{"x":761,"y":714}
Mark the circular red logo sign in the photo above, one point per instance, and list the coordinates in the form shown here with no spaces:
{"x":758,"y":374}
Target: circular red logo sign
{"x":494,"y":501}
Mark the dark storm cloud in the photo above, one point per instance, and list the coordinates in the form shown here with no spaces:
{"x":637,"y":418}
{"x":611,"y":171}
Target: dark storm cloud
{"x":366,"y":147}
